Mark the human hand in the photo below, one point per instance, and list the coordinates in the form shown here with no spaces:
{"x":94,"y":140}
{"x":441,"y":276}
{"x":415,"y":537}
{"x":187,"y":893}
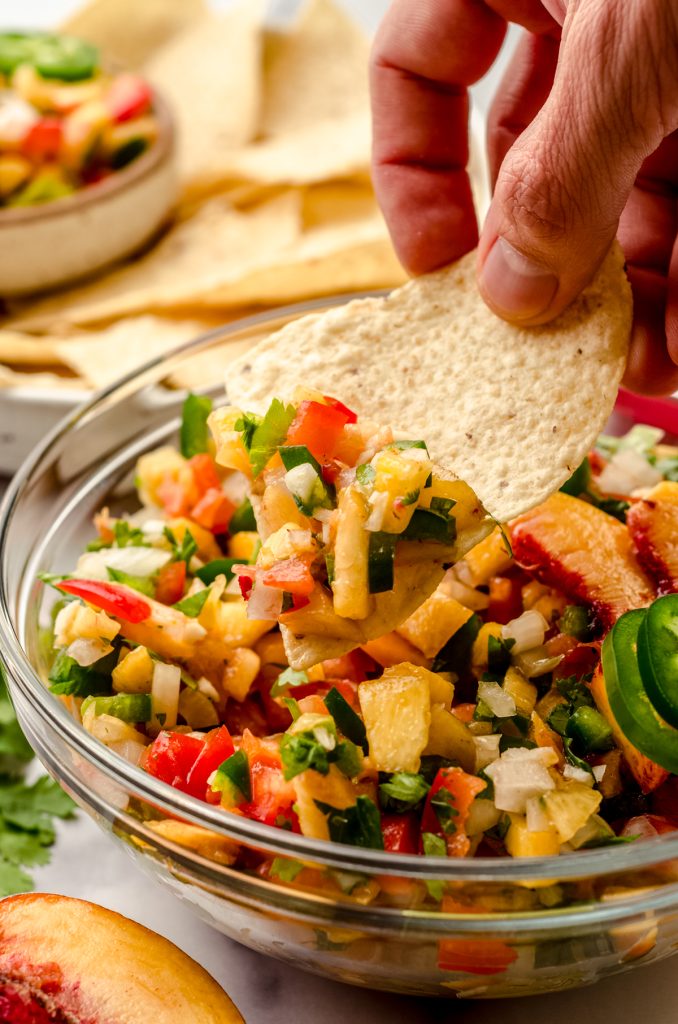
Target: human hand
{"x":582,"y":141}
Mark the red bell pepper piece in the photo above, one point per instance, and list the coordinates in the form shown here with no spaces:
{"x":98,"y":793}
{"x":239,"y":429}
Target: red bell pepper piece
{"x":116,"y":600}
{"x":43,"y":139}
{"x":171,"y":756}
{"x":318,"y":427}
{"x":204,"y":472}
{"x":351,"y":417}
{"x":292,"y":575}
{"x":462,"y":789}
{"x":169,"y":587}
{"x":217,"y":747}
{"x":214,"y":511}
{"x":129,"y":96}
{"x":580,"y":660}
{"x":506,"y":601}
{"x":272,"y":796}
{"x":400,"y":832}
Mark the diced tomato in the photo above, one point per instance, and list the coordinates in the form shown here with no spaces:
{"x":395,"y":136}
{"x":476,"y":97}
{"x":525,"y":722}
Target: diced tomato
{"x":217,"y":747}
{"x":475,"y":956}
{"x":318,"y":427}
{"x":400,"y":832}
{"x":292,"y":575}
{"x":463,"y":789}
{"x":354,"y":666}
{"x":169,"y":587}
{"x":272,"y":796}
{"x":665,"y":799}
{"x":214,"y":511}
{"x":175,"y":497}
{"x":464,"y":712}
{"x":204,"y":472}
{"x":351,"y":417}
{"x":506,"y":602}
{"x":246,"y":715}
{"x":171,"y":756}
{"x":43,"y":139}
{"x":129,"y":96}
{"x":580,"y":660}
{"x":112,"y":598}
{"x":330,"y":471}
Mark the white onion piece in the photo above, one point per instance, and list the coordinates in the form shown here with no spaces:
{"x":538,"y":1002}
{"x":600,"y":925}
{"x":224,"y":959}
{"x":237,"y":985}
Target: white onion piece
{"x":599,"y":771}
{"x":86,"y":651}
{"x":301,"y":481}
{"x":627,"y":470}
{"x":136,"y":561}
{"x":473,"y":599}
{"x":536,"y":662}
{"x":528,"y":631}
{"x":536,"y":817}
{"x":500,"y":703}
{"x":487,"y":750}
{"x":575,"y":774}
{"x":131,"y":750}
{"x":481,"y":816}
{"x":16,"y":118}
{"x":208,"y":688}
{"x":235,"y":486}
{"x":378,"y":505}
{"x":165,"y":695}
{"x":265,"y":603}
{"x":520,"y":774}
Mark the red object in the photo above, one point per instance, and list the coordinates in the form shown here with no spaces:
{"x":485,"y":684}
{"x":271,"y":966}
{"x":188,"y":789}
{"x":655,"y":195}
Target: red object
{"x":169,"y":587}
{"x":214,"y":511}
{"x":129,"y":96}
{"x":19,"y":1007}
{"x":112,"y":598}
{"x":580,"y":660}
{"x":171,"y":756}
{"x":351,"y":417}
{"x":330,"y":471}
{"x":400,"y":832}
{"x":665,"y":799}
{"x":506,"y":600}
{"x":292,"y":575}
{"x":245,"y":583}
{"x":463,"y":789}
{"x":204,"y":472}
{"x":475,"y":956}
{"x":217,"y":747}
{"x":646,"y":826}
{"x":318,"y":427}
{"x":43,"y":139}
{"x":175,"y":497}
{"x":247,"y":715}
{"x":354,"y":666}
{"x":464,"y":712}
{"x":272,"y":796}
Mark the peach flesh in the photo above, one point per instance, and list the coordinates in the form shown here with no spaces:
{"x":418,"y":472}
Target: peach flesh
{"x":65,"y":961}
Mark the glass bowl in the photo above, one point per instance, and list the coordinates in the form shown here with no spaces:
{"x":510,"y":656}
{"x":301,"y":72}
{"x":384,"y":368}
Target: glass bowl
{"x":506,"y":927}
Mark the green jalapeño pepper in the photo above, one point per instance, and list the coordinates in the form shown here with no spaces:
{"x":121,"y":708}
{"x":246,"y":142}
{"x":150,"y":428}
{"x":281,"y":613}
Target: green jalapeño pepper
{"x":658,"y":656}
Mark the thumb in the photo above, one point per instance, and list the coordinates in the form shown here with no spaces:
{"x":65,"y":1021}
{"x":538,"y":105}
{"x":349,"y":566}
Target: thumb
{"x":565,"y":181}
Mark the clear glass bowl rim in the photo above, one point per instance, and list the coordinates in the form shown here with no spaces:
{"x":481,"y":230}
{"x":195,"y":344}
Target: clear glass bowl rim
{"x":569,"y":866}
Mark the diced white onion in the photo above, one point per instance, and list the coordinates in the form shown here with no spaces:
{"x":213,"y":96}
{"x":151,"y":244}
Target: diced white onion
{"x":528,"y":631}
{"x":131,"y":750}
{"x":63,"y":622}
{"x":599,"y":771}
{"x":520,"y":774}
{"x":627,"y":470}
{"x":136,"y":561}
{"x":206,"y":687}
{"x":575,"y":774}
{"x":481,"y":816}
{"x":301,"y":480}
{"x":193,"y":631}
{"x":86,"y":651}
{"x":487,"y":750}
{"x":235,"y":486}
{"x":536,"y":662}
{"x":378,"y":505}
{"x":500,"y":703}
{"x":536,"y":817}
{"x":16,"y":118}
{"x":472,"y":599}
{"x":165,"y":694}
{"x":265,"y":603}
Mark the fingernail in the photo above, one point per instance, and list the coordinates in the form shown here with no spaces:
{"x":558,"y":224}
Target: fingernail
{"x":513,"y":284}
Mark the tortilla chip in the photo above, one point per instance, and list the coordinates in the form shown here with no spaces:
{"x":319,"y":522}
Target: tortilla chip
{"x":34,"y":381}
{"x":211,"y":76}
{"x":128,"y":32}
{"x":215,"y":247}
{"x":315,"y":72}
{"x":314,"y":636}
{"x":27,"y":349}
{"x":510,"y":410}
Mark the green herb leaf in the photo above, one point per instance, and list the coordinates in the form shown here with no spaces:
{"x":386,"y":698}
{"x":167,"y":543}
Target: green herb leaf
{"x":127,"y":536}
{"x":292,"y":706}
{"x":404,"y":445}
{"x":434,"y":846}
{"x":263,"y":441}
{"x":184,"y":551}
{"x":348,"y":758}
{"x":67,"y":678}
{"x":143,"y":584}
{"x":285,"y":868}
{"x":365,"y":474}
{"x":347,"y":720}
{"x":403,"y":791}
{"x":288,"y":679}
{"x":243,"y":519}
{"x":579,"y":481}
{"x":445,"y":811}
{"x":357,"y":825}
{"x":193,"y":605}
{"x":193,"y":434}
{"x":218,"y":567}
{"x":575,"y":692}
{"x":300,"y":752}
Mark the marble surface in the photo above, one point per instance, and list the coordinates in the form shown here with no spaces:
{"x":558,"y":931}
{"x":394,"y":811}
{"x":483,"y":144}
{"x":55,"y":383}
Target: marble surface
{"x":87,"y":865}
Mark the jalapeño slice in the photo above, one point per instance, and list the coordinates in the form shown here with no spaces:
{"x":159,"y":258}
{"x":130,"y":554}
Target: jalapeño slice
{"x":628,"y":698}
{"x":658,"y":656}
{"x":53,"y":56}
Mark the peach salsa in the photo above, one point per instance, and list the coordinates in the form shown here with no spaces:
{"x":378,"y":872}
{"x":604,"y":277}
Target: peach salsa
{"x":251,"y":637}
{"x":64,"y":122}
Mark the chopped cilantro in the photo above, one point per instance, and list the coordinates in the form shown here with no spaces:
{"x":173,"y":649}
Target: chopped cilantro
{"x":357,"y":825}
{"x":67,"y":678}
{"x":193,"y":605}
{"x":403,"y":791}
{"x":289,"y":678}
{"x":404,"y":445}
{"x":348,"y":759}
{"x":575,"y":692}
{"x":193,"y":434}
{"x":445,"y":811}
{"x":558,"y":718}
{"x":262,"y":438}
{"x":127,"y":536}
{"x":365,"y":474}
{"x":144,"y":584}
{"x":615,"y":507}
{"x":572,"y":757}
{"x":668,"y":468}
{"x":285,"y":868}
{"x":184,"y":551}
{"x":303,"y":751}
{"x":579,"y":481}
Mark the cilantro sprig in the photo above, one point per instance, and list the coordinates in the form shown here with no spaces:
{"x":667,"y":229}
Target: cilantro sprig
{"x":262,"y":436}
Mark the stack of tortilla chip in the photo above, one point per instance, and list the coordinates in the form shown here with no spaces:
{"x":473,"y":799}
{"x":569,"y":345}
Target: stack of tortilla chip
{"x":275,"y":204}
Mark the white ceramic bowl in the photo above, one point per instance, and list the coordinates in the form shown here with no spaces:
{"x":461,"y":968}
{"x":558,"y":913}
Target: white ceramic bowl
{"x":54,"y":243}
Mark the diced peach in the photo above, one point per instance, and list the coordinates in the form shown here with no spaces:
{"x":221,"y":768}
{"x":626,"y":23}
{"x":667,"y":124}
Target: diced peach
{"x":569,"y":544}
{"x":653,"y":525}
{"x":49,"y":971}
{"x":647,"y":774}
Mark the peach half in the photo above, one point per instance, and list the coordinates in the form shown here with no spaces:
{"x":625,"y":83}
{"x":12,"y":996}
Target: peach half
{"x":66,"y":961}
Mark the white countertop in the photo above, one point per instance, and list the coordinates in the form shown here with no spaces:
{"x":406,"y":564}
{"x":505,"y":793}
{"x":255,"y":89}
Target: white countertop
{"x":86,"y":864}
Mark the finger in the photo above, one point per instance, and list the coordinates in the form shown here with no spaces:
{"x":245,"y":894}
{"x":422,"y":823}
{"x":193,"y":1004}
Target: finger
{"x":649,"y":368}
{"x":520,"y":96}
{"x":419,"y":77}
{"x":563,"y":185}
